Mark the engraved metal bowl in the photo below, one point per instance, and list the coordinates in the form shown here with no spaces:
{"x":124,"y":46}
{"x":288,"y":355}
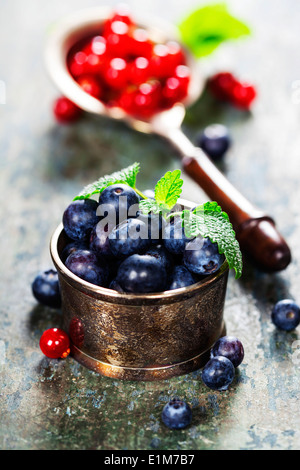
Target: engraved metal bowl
{"x":140,"y":336}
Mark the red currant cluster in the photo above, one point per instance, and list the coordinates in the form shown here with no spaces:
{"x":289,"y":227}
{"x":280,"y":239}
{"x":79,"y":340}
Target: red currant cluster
{"x":226,"y":87}
{"x":124,"y":67}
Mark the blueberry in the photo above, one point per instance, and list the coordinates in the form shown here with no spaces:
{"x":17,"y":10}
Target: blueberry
{"x":142,"y":274}
{"x":85,"y":264}
{"x":230,"y":347}
{"x":114,"y":285}
{"x":174,"y":238}
{"x":162,"y":255}
{"x":79,"y":218}
{"x":176,"y":414}
{"x":116,"y":201}
{"x":45,"y":289}
{"x":181,"y":277}
{"x":218,"y":373}
{"x":214,"y":140}
{"x":128,"y":238}
{"x":156,"y":226}
{"x":72,"y":247}
{"x":201,"y":256}
{"x":99,"y":241}
{"x":286,"y":315}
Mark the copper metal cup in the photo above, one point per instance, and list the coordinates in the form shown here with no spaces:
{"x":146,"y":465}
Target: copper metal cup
{"x":145,"y":336}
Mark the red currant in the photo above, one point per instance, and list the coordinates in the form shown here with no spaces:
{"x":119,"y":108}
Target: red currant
{"x":55,"y":343}
{"x":222,"y":84}
{"x":243,"y":95}
{"x":118,"y":40}
{"x":141,"y":45}
{"x":176,"y":55}
{"x":139,"y":70}
{"x":160,"y":65}
{"x":172,"y":92}
{"x":66,"y":111}
{"x":183,"y":74}
{"x":78,"y":64}
{"x":122,"y":13}
{"x":116,"y":75}
{"x":98,"y":46}
{"x":142,"y":102}
{"x":90,"y":85}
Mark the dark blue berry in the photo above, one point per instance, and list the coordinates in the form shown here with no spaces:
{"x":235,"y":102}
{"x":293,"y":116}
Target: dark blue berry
{"x":214,"y":140}
{"x":99,"y":241}
{"x":142,"y":274}
{"x":72,"y":247}
{"x":286,"y":315}
{"x":128,"y":238}
{"x":181,"y":277}
{"x":85,"y":264}
{"x":174,"y":238}
{"x":156,"y":226}
{"x":176,"y":414}
{"x":118,"y":202}
{"x":218,"y":373}
{"x":79,"y":218}
{"x":45,"y":289}
{"x":162,"y":255}
{"x":114,"y":285}
{"x":201,"y":256}
{"x":230,"y":347}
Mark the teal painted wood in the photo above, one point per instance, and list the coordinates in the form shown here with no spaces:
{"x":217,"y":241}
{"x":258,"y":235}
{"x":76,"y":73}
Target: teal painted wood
{"x":60,"y":405}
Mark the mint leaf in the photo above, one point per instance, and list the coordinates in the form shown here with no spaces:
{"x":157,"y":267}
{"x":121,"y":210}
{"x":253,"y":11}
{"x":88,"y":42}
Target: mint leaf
{"x":168,"y":189}
{"x":208,"y":27}
{"x":149,"y":205}
{"x":125,"y":176}
{"x":209,"y":221}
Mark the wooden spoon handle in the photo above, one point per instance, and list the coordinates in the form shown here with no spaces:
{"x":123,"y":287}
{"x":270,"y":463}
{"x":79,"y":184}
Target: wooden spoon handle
{"x":255,"y":231}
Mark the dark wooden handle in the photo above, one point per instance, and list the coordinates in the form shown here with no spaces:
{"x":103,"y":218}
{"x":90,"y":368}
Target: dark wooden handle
{"x":255,"y":231}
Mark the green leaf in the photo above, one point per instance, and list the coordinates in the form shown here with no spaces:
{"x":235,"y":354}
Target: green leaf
{"x":209,"y":221}
{"x":168,"y":189}
{"x":208,"y":27}
{"x":149,"y":205}
{"x":125,"y":176}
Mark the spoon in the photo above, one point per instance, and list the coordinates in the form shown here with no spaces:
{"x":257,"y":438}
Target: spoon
{"x":255,"y":231}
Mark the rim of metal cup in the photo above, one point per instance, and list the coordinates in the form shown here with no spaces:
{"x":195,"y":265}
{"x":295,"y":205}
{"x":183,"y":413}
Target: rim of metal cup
{"x":76,"y":26}
{"x":109,"y":295}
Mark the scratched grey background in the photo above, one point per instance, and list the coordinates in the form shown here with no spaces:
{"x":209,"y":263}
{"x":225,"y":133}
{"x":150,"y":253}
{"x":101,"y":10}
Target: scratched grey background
{"x":57,"y":405}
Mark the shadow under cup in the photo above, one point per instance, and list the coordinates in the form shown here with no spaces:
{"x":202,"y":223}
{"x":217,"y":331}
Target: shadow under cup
{"x":140,"y":336}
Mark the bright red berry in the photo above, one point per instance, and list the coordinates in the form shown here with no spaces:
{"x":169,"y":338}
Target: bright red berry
{"x":183,"y":74}
{"x":139,"y":70}
{"x":122,"y":13}
{"x":160,"y":65}
{"x":140,"y":44}
{"x":66,"y":111}
{"x":90,"y":85}
{"x":243,"y":95}
{"x":116,"y":76}
{"x":176,"y":55}
{"x":55,"y":343}
{"x":117,"y":39}
{"x":78,"y":64}
{"x":142,"y":102}
{"x":222,"y":84}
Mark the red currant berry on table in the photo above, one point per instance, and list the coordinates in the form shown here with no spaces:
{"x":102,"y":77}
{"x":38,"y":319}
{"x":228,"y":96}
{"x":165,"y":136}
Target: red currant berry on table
{"x":55,"y":343}
{"x":243,"y":95}
{"x":90,"y":85}
{"x":116,"y":76}
{"x":222,"y":85}
{"x":66,"y":111}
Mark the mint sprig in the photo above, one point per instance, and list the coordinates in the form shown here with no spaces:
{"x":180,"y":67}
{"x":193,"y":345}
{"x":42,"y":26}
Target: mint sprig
{"x":208,"y":27}
{"x":209,"y":221}
{"x":126,"y":176}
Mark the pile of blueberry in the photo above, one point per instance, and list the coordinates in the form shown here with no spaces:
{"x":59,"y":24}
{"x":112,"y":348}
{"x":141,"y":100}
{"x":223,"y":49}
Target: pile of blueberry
{"x":132,"y":254}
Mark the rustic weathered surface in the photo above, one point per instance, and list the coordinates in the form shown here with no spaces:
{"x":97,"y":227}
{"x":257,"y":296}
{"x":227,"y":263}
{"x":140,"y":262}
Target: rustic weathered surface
{"x":48,"y":404}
